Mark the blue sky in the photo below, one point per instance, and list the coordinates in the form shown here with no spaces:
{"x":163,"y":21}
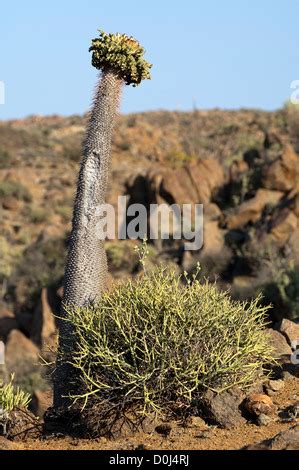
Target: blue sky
{"x":215,"y":53}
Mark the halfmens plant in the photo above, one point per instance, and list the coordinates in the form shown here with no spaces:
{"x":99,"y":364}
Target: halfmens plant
{"x":120,"y":60}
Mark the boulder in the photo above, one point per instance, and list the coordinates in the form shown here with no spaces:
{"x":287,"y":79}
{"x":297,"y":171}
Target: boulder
{"x":19,"y":349}
{"x":195,"y":182}
{"x":264,"y":420}
{"x":150,"y":422}
{"x":207,"y":175}
{"x":43,"y":323}
{"x":10,"y":203}
{"x":214,"y":254}
{"x":213,"y":242}
{"x":251,"y":210}
{"x":283,"y":173}
{"x":290,"y":330}
{"x":173,"y":187}
{"x":283,"y":226}
{"x":191,"y":184}
{"x":285,"y":440}
{"x":278,"y":340}
{"x":223,"y":409}
{"x":274,"y":386}
{"x":195,"y":422}
{"x":259,"y":403}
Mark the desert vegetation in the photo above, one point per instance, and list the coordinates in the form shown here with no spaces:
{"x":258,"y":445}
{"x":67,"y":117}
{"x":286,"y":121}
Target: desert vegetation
{"x":120,"y":60}
{"x":14,"y":414}
{"x":155,"y":345}
{"x":243,"y":166}
{"x":12,"y":397}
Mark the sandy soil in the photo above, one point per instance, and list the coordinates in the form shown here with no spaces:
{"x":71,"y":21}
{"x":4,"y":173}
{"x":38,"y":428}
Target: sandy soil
{"x":180,"y":438}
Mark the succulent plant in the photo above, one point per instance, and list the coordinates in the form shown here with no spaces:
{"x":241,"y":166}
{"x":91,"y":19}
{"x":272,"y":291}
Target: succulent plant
{"x":120,"y":60}
{"x":123,"y":55}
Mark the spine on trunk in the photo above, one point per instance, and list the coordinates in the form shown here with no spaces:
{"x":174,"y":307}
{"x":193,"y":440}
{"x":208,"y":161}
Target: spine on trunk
{"x":86,"y":268}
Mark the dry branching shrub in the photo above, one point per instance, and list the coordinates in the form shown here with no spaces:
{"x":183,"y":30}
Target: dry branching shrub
{"x":13,"y":401}
{"x":12,"y":397}
{"x":156,"y":344}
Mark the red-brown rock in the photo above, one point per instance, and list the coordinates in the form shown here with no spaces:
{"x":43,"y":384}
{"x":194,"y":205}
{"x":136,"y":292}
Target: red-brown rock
{"x":290,"y":330}
{"x":279,"y":342}
{"x":19,"y":349}
{"x":283,"y":225}
{"x":285,"y":440}
{"x":283,"y":174}
{"x":251,"y":210}
{"x":43,"y":324}
{"x":258,"y":403}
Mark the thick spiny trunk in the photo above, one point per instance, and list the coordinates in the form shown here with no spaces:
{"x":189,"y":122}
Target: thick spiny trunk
{"x":86,"y":267}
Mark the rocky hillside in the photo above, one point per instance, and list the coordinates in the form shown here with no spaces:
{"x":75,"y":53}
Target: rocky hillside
{"x":242,"y":165}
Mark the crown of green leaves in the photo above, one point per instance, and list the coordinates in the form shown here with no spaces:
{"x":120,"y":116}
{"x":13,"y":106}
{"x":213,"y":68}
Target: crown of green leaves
{"x":121,"y":53}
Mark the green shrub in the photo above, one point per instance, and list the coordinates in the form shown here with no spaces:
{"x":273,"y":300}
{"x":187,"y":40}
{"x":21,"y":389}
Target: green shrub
{"x":16,"y":190}
{"x":65,"y":212}
{"x":282,"y":286}
{"x":5,"y":259}
{"x":38,"y":215}
{"x":14,"y":140}
{"x":156,"y":344}
{"x":121,"y":256}
{"x":270,"y":271}
{"x":12,"y":397}
{"x":177,"y":158}
{"x":5,"y":160}
{"x":72,"y":152}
